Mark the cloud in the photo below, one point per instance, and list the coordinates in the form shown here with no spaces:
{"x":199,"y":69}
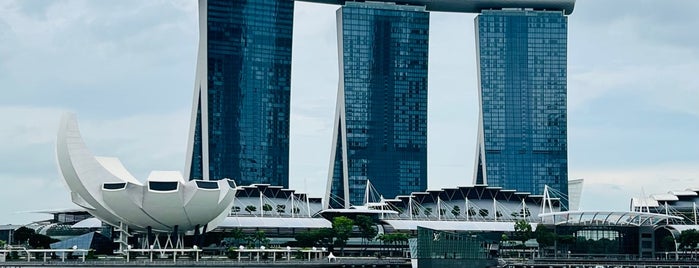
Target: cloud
{"x":612,"y":189}
{"x":27,"y":164}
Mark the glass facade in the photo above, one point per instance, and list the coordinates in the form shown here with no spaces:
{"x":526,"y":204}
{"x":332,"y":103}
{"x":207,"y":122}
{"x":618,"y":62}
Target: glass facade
{"x":448,"y":249}
{"x":247,"y":82}
{"x":382,"y":102}
{"x":522,"y":64}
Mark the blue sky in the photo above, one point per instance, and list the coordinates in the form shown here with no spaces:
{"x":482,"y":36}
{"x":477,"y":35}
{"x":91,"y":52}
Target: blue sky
{"x":127,"y":69}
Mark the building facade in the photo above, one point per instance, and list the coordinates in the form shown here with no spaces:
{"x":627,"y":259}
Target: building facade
{"x":522,"y":71}
{"x":240,"y":118}
{"x":381,"y":117}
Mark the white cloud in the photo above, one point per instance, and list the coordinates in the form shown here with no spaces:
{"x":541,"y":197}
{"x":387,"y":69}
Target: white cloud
{"x":613,"y":188}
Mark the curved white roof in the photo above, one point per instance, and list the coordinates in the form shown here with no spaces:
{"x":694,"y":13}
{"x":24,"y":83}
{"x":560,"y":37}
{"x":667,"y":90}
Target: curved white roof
{"x":487,"y":226}
{"x":611,"y":218}
{"x":88,"y":223}
{"x":274,"y":222}
{"x":109,"y":192}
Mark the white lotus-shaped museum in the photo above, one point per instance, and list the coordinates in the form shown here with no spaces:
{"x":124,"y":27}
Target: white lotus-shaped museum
{"x":165,"y":203}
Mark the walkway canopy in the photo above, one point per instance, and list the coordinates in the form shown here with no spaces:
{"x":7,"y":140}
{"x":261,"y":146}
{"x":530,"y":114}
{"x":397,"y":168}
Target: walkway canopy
{"x":605,"y":218}
{"x":458,"y":226}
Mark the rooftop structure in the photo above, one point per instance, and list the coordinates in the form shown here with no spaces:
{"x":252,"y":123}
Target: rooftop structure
{"x":682,"y":203}
{"x":474,"y":6}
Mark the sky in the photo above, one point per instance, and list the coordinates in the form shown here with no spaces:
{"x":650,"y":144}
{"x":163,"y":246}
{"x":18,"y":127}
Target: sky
{"x":126,"y":68}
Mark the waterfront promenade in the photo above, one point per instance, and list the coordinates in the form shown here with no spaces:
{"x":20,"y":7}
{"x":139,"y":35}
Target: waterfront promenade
{"x":343,"y":262}
{"x":600,"y":263}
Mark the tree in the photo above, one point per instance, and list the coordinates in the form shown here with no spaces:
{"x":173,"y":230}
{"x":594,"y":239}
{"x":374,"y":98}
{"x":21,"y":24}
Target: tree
{"x":688,"y":239}
{"x":237,"y":234}
{"x":41,"y":241}
{"x":366,"y":227}
{"x":296,"y":210}
{"x":281,"y":209}
{"x":22,"y":235}
{"x":250,"y":209}
{"x":667,"y":243}
{"x":342,"y":226}
{"x":456,"y":211}
{"x":235,"y":209}
{"x":2,"y":243}
{"x":471,"y":212}
{"x":322,"y":237}
{"x":483,"y":212}
{"x":428,"y":211}
{"x":261,"y":238}
{"x":393,"y":238}
{"x":544,"y":236}
{"x":266,"y":208}
{"x":523,"y":231}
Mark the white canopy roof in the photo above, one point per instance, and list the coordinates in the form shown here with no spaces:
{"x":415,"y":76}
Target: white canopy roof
{"x":88,"y":223}
{"x":492,"y":226}
{"x":274,"y":222}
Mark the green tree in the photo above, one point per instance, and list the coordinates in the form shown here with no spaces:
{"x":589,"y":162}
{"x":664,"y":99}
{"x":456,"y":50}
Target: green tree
{"x":471,"y":212}
{"x":342,"y":226}
{"x":456,"y":211}
{"x":523,"y":231}
{"x":688,"y":239}
{"x":322,"y":237}
{"x":544,"y":236}
{"x":2,"y":243}
{"x":235,"y":209}
{"x":667,"y":243}
{"x":41,"y":241}
{"x":261,"y":238}
{"x":483,"y":212}
{"x":428,"y":212}
{"x":237,"y":236}
{"x":266,"y":208}
{"x":393,"y":239}
{"x":366,"y":227}
{"x":22,"y":235}
{"x":281,"y":209}
{"x":250,"y":209}
{"x":296,"y":210}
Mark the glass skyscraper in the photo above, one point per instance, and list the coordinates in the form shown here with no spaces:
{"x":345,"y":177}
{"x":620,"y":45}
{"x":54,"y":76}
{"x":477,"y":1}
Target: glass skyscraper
{"x":381,"y":119}
{"x":240,"y":119}
{"x":522,"y":69}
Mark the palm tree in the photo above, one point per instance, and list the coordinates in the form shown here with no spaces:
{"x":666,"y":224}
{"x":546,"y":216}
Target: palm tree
{"x":267,"y":208}
{"x":250,"y":209}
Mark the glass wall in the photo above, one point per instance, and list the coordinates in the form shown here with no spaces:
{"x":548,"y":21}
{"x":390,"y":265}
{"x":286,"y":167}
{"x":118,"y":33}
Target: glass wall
{"x":522,"y":61}
{"x":447,"y":249}
{"x":384,"y":87}
{"x":249,"y":76}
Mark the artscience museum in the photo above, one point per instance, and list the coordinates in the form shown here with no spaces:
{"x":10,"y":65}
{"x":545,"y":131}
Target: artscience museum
{"x":165,"y":203}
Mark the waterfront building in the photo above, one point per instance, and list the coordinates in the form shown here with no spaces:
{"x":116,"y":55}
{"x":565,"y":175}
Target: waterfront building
{"x":381,"y":114}
{"x":240,"y":117}
{"x":522,"y":86}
